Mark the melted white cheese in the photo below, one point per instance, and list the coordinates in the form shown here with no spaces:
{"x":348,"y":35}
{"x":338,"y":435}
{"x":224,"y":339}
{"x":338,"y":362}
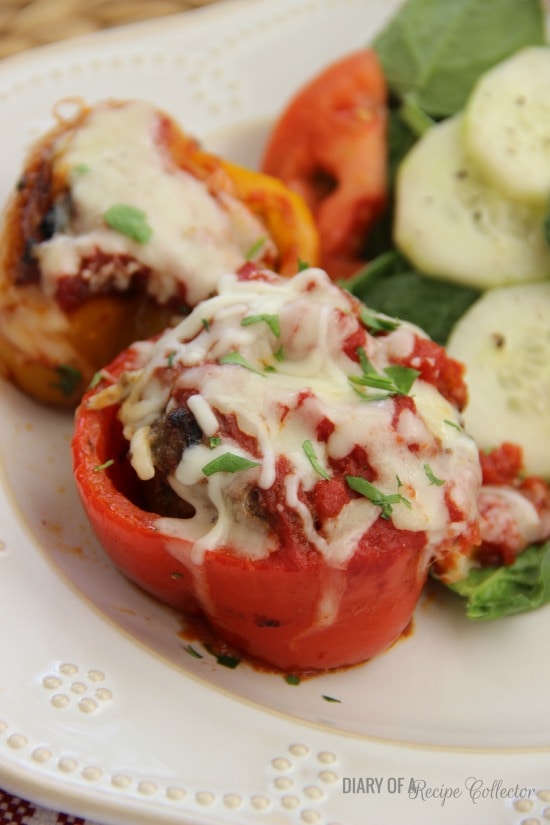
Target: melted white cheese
{"x":114,"y":158}
{"x":507,"y":517}
{"x":289,"y":384}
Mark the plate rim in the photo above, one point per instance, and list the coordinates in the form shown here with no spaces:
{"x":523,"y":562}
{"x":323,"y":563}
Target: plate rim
{"x":18,"y":775}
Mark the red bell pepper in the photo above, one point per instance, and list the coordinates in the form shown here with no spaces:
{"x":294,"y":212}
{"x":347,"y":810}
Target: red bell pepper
{"x":292,"y":608}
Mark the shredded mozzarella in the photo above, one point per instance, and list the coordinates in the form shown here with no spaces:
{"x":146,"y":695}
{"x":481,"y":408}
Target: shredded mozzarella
{"x":114,"y":157}
{"x":281,"y":383}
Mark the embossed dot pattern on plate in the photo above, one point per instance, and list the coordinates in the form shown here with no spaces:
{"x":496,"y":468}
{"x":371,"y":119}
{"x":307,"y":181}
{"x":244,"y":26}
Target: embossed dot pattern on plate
{"x":299,"y":782}
{"x":76,"y":687}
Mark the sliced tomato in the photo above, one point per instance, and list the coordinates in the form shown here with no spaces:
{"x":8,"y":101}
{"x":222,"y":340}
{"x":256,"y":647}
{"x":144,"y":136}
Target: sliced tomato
{"x":329,"y":145}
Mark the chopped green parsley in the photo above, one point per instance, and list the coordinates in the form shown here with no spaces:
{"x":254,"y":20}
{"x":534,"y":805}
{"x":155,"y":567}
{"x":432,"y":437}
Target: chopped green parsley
{"x":255,"y":248}
{"x":307,"y":447}
{"x":375,"y":322}
{"x":128,"y":220}
{"x":239,"y":360}
{"x":192,"y":652}
{"x":96,"y":378}
{"x":395,"y":379}
{"x":228,"y":661}
{"x":69,"y":378}
{"x":431,"y":477}
{"x":100,"y":467}
{"x":81,"y":168}
{"x":224,"y":659}
{"x":228,"y":463}
{"x":382,"y":500}
{"x":271,"y":320}
{"x":452,"y":424}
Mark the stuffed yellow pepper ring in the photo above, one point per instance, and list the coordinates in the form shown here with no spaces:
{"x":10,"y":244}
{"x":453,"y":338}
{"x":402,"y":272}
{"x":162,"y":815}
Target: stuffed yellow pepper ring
{"x":120,"y":223}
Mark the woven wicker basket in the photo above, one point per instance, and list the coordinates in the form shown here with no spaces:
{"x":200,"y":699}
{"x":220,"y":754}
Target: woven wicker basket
{"x":28,"y":23}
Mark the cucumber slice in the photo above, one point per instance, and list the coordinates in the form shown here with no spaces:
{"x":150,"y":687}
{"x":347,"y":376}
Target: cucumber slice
{"x":451,"y":225}
{"x":504,"y":341}
{"x":507,"y":125}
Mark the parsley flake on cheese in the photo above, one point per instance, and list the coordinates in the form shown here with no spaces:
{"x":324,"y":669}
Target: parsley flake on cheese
{"x":383,"y":500}
{"x":308,"y":449}
{"x":228,"y":463}
{"x":130,"y":221}
{"x":271,"y":320}
{"x":239,"y":360}
{"x":431,"y":477}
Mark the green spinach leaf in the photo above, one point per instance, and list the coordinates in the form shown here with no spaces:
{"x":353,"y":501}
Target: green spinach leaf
{"x":390,"y":285}
{"x":494,"y":592}
{"x":432,"y":52}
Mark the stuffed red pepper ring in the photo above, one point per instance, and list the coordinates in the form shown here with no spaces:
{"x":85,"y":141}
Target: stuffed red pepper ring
{"x":285,"y":463}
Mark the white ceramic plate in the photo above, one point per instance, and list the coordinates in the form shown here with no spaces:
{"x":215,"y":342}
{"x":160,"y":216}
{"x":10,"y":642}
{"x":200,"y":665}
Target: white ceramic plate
{"x":103,"y":711}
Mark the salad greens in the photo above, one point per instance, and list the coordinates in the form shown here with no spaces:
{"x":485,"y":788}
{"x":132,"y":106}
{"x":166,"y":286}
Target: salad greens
{"x":493,"y":592}
{"x":392,"y":286}
{"x":432,"y":54}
